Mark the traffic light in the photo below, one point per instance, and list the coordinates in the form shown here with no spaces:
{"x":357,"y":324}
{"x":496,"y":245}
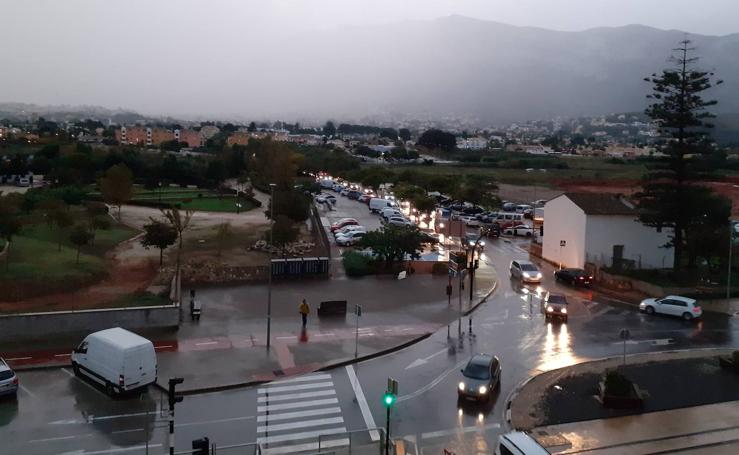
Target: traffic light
{"x":171,"y":395}
{"x":388,"y":399}
{"x":201,"y":446}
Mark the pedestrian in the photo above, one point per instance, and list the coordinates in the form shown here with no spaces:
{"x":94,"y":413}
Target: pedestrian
{"x":304,"y":309}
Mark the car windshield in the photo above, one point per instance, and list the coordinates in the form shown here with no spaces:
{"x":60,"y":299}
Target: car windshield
{"x":557,"y":299}
{"x":5,"y":374}
{"x":529,"y":268}
{"x":476,"y":370}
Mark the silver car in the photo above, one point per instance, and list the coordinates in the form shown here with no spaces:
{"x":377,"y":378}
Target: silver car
{"x":8,"y":380}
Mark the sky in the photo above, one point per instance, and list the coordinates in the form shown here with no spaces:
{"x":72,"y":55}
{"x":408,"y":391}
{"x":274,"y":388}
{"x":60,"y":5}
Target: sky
{"x":118,"y":52}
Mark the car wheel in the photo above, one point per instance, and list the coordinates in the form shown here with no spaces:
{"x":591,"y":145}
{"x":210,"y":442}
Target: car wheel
{"x":528,"y":234}
{"x":687,"y":316}
{"x":557,"y":278}
{"x":649,"y":310}
{"x":109,"y":389}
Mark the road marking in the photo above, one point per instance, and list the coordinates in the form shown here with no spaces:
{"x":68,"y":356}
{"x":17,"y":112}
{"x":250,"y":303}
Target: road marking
{"x":310,"y":377}
{"x":293,"y":396}
{"x":25,"y":389}
{"x":298,"y":414}
{"x":286,"y":338}
{"x":312,"y":446}
{"x":60,"y":438}
{"x":164,"y":346}
{"x":62,"y":355}
{"x":317,"y":385}
{"x":299,"y":424}
{"x":301,"y":404}
{"x":122,"y":449}
{"x":424,"y":360}
{"x":470,"y":429}
{"x":432,"y":384}
{"x":369,"y":421}
{"x":209,"y":422}
{"x":70,"y":374}
{"x":18,"y":358}
{"x":205,"y":343}
{"x":127,"y":431}
{"x":303,"y":435}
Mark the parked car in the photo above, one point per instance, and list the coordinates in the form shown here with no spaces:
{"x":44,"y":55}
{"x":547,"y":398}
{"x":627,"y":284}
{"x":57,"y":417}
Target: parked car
{"x":525,"y":271}
{"x":480,"y":376}
{"x":390,"y":211}
{"x":351,"y":228}
{"x":354,"y":194}
{"x":554,"y":306}
{"x":522,"y":208}
{"x":470,"y":220}
{"x":518,"y":443}
{"x":520,"y":229}
{"x":399,"y":221}
{"x":492,"y":230}
{"x":344,"y":191}
{"x":350,"y":238}
{"x":342,"y":223}
{"x":8,"y":380}
{"x":365,"y":198}
{"x":539,"y":203}
{"x":323,"y":198}
{"x":673,"y":305}
{"x":574,"y":277}
{"x":117,"y":359}
{"x":430,"y":237}
{"x":474,"y":210}
{"x":376,"y":204}
{"x":508,"y":207}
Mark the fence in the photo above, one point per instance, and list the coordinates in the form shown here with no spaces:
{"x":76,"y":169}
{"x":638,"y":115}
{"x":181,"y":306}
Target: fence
{"x":357,"y":442}
{"x":300,"y":267}
{"x":319,"y":230}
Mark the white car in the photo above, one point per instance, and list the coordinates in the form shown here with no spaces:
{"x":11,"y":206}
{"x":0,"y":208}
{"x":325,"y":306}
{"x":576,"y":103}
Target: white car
{"x":390,"y":211}
{"x":525,"y":271}
{"x":520,"y":229}
{"x":673,"y":305}
{"x":8,"y":380}
{"x":323,"y":198}
{"x":399,"y":221}
{"x":347,"y":229}
{"x":350,"y":238}
{"x":470,"y":220}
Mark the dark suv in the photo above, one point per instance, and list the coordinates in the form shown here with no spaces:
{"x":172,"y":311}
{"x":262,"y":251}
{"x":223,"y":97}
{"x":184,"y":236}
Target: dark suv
{"x":554,"y":306}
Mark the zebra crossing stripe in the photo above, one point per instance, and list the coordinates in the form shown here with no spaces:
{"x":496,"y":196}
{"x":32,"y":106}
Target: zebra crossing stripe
{"x":310,"y":446}
{"x":299,"y":424}
{"x":287,"y":388}
{"x":310,"y":377}
{"x":299,"y":404}
{"x":298,"y":414}
{"x":295,"y":396}
{"x":303,"y":435}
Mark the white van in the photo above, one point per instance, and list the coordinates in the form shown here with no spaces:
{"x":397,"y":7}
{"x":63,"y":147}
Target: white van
{"x":388,"y":212}
{"x":506,"y":219}
{"x":518,"y":443}
{"x":376,"y":204}
{"x":116,"y":358}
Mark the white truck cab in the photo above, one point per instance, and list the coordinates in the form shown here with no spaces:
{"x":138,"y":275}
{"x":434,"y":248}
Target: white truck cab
{"x":119,"y":360}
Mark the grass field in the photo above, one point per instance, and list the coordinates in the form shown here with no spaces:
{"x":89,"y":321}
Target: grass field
{"x":36,"y":263}
{"x":216,"y":205}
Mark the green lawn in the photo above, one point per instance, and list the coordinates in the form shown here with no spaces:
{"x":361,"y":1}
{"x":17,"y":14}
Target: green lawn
{"x":36,"y":265}
{"x":216,"y":205}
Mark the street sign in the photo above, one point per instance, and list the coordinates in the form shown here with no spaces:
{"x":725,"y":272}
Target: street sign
{"x":358,"y":310}
{"x":392,"y":386}
{"x":562,"y":243}
{"x":624,"y":334}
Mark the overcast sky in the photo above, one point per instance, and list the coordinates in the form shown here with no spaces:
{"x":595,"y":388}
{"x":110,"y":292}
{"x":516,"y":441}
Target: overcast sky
{"x":105,"y":51}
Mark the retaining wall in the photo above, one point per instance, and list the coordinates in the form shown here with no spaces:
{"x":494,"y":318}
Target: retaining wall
{"x":33,"y":325}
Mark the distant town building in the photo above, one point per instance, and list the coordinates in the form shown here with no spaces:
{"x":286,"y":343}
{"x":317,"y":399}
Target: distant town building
{"x":141,"y":135}
{"x":472,"y":143}
{"x":208,"y":131}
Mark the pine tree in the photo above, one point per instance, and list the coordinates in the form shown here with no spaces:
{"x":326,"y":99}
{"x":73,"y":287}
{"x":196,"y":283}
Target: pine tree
{"x":673,"y":193}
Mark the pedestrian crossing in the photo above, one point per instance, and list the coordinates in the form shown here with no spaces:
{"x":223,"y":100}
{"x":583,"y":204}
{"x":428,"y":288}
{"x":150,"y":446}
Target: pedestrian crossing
{"x":293,"y":414}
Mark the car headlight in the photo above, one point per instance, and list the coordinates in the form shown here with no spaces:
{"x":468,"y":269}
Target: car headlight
{"x":549,"y":309}
{"x":527,"y":274}
{"x":483,"y":390}
{"x":564,"y":311}
{"x":482,"y":243}
{"x":538,"y":274}
{"x":461,"y":386}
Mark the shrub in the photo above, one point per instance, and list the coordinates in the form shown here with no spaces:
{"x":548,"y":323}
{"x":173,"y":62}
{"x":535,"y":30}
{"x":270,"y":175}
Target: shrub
{"x":357,"y":264}
{"x":440,"y":268}
{"x":617,"y":384}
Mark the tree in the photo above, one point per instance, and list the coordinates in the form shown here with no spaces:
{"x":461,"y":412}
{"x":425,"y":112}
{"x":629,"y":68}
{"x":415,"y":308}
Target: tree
{"x":181,"y":223}
{"x":62,"y":219}
{"x":437,"y":139}
{"x":252,"y":127}
{"x":284,"y":232}
{"x":80,"y":237}
{"x":329,"y":129}
{"x":394,"y":243}
{"x":479,"y":190}
{"x":117,"y":186}
{"x":273,"y":162}
{"x":672,"y":195}
{"x":159,"y":235}
{"x":97,"y":217}
{"x":404,"y":134}
{"x":223,"y":233}
{"x":9,"y":221}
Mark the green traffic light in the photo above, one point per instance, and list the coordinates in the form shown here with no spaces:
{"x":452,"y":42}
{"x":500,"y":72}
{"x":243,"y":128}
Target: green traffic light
{"x":389,"y":399}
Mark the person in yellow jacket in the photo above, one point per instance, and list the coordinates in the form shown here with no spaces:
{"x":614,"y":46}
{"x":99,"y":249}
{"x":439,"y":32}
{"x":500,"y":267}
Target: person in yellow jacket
{"x":304,"y":309}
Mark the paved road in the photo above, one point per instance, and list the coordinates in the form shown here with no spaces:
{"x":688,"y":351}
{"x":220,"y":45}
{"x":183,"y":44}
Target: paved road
{"x":56,"y":413}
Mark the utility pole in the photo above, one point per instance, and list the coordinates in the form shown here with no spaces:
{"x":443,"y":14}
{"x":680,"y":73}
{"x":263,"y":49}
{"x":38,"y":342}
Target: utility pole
{"x":269,"y":283}
{"x":173,"y":399}
{"x":728,"y":274}
{"x":358,"y":313}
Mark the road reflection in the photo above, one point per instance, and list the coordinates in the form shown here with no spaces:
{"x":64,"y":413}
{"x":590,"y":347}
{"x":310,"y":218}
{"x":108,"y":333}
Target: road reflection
{"x":557,"y":352}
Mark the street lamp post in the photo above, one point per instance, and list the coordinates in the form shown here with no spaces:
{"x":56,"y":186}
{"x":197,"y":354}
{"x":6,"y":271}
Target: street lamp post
{"x":160,"y":192}
{"x":269,"y":282}
{"x":728,"y":272}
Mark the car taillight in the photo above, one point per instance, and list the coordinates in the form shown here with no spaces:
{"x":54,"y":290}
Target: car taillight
{"x":590,"y":277}
{"x":120,"y":380}
{"x":580,"y":278}
{"x":696,"y":309}
{"x":15,"y":380}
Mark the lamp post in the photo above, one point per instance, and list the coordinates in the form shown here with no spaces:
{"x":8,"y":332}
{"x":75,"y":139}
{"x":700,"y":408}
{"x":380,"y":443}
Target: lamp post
{"x":160,"y":192}
{"x":728,"y":272}
{"x":269,"y":282}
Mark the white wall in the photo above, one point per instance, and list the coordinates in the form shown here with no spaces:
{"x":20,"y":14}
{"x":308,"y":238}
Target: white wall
{"x":638,"y":240}
{"x":563,"y":220}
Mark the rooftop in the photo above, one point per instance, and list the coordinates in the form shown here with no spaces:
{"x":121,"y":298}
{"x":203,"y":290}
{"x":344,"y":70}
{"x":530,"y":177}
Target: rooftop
{"x":602,"y":204}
